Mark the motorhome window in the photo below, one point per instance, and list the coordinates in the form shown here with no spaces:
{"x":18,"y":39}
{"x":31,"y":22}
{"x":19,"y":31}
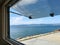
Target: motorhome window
{"x":30,"y":19}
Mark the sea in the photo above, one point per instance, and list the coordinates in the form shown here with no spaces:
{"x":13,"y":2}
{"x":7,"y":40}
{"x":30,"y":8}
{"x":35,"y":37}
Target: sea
{"x":21,"y":31}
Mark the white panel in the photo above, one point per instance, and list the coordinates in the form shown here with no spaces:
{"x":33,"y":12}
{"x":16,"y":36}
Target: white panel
{"x":35,"y":8}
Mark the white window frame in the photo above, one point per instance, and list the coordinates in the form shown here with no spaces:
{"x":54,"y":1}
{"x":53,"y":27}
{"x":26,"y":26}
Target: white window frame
{"x":5,"y":22}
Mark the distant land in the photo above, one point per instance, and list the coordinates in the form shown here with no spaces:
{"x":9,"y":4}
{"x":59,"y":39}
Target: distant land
{"x":31,"y":25}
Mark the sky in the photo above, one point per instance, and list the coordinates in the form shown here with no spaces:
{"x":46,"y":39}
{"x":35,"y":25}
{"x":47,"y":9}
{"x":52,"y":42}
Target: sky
{"x":39,"y":8}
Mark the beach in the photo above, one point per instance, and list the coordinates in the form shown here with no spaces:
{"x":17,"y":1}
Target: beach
{"x":52,"y":38}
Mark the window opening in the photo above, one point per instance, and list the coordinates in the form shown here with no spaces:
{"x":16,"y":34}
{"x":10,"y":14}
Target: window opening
{"x":30,"y":19}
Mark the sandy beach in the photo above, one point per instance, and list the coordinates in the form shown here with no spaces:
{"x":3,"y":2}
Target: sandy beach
{"x":52,"y":38}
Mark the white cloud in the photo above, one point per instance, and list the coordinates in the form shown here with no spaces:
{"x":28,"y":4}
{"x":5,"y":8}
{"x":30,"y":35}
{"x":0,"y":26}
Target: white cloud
{"x":25,"y":20}
{"x":18,"y":20}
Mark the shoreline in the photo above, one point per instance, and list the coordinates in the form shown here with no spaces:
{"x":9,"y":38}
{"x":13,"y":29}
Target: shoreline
{"x":36,"y":36}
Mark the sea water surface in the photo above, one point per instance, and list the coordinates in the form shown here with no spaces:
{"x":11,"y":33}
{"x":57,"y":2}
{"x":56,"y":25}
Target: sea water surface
{"x":20,"y":31}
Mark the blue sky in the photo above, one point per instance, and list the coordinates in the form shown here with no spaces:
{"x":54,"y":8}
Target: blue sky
{"x":38,"y":8}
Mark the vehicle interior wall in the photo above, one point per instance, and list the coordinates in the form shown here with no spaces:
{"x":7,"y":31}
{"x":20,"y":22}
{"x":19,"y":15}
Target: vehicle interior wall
{"x":2,"y":42}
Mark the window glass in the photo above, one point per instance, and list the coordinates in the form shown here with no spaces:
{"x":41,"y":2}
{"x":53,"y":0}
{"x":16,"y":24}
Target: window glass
{"x":34,"y":17}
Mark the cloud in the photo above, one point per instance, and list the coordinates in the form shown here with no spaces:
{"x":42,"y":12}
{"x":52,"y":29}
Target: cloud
{"x":18,"y":20}
{"x":24,"y":20}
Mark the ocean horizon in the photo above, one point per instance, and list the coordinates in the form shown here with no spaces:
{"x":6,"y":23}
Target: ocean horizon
{"x":21,"y":31}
